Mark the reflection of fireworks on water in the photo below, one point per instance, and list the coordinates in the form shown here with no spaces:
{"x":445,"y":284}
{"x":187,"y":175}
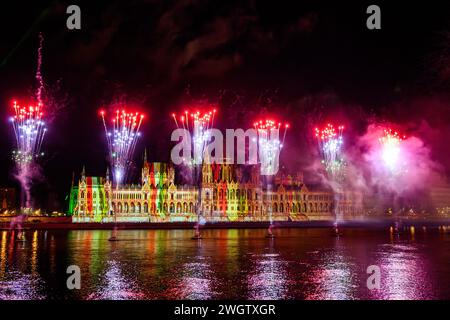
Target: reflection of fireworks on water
{"x":269,"y":144}
{"x":29,"y":130}
{"x":330,"y":147}
{"x":199,"y":127}
{"x":122,"y":139}
{"x":391,"y":150}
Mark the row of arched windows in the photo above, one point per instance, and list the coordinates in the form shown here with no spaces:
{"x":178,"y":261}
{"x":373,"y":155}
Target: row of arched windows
{"x":159,"y":207}
{"x":188,"y":207}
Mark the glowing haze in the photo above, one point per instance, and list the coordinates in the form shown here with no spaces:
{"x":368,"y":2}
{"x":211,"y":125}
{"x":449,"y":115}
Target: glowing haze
{"x":394,"y":161}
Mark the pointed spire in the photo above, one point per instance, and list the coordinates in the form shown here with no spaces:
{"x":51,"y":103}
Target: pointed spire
{"x":145,"y":155}
{"x":83,"y":174}
{"x":107,"y":174}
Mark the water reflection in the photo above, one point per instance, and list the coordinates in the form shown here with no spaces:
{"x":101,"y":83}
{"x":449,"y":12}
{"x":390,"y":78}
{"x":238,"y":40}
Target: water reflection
{"x":268,"y":281}
{"x":34,"y":253}
{"x":226,"y":264}
{"x":404,"y":273}
{"x":3,"y":254}
{"x":115,"y":286}
{"x":334,"y":278}
{"x":21,"y":286}
{"x":20,"y":280}
{"x":195,"y":282}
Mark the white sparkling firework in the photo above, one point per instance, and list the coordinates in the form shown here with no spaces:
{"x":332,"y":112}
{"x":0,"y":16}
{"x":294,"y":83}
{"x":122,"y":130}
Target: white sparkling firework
{"x":122,"y":139}
{"x":269,"y":145}
{"x":29,"y":129}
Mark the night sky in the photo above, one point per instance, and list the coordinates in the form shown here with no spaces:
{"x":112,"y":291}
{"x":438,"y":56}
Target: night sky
{"x":306,"y":62}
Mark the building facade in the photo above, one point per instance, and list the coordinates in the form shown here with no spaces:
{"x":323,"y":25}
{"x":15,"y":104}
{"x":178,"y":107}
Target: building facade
{"x":228,"y":193}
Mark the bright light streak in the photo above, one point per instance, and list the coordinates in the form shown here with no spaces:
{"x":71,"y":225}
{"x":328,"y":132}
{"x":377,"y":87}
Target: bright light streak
{"x":29,"y":129}
{"x":330,"y":143}
{"x":122,"y":138}
{"x":269,"y":144}
{"x":391,"y":150}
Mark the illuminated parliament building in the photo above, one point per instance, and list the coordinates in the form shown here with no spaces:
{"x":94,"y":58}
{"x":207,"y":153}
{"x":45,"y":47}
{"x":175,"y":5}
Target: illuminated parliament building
{"x":228,"y":193}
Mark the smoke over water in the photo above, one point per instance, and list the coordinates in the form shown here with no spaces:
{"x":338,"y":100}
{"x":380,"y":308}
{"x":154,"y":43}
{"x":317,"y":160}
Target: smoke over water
{"x":401,"y":166}
{"x":27,"y":175}
{"x":392,"y":169}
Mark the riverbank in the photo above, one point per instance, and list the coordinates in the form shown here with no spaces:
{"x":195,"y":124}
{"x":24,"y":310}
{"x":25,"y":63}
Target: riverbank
{"x":46,"y":223}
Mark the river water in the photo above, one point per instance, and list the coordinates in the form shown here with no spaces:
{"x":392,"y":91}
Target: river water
{"x":307,"y":263}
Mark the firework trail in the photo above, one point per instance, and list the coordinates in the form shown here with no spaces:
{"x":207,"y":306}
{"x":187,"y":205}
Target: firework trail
{"x":330,"y":143}
{"x":39,"y":78}
{"x":198,"y":127}
{"x":29,"y":130}
{"x":122,"y":138}
{"x":269,"y":145}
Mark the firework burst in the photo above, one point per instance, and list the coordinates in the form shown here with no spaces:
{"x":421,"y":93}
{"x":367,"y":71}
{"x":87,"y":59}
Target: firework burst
{"x":122,"y":138}
{"x":391,"y":150}
{"x":198,"y":124}
{"x":330,"y":143}
{"x":29,"y":129}
{"x":269,"y":144}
